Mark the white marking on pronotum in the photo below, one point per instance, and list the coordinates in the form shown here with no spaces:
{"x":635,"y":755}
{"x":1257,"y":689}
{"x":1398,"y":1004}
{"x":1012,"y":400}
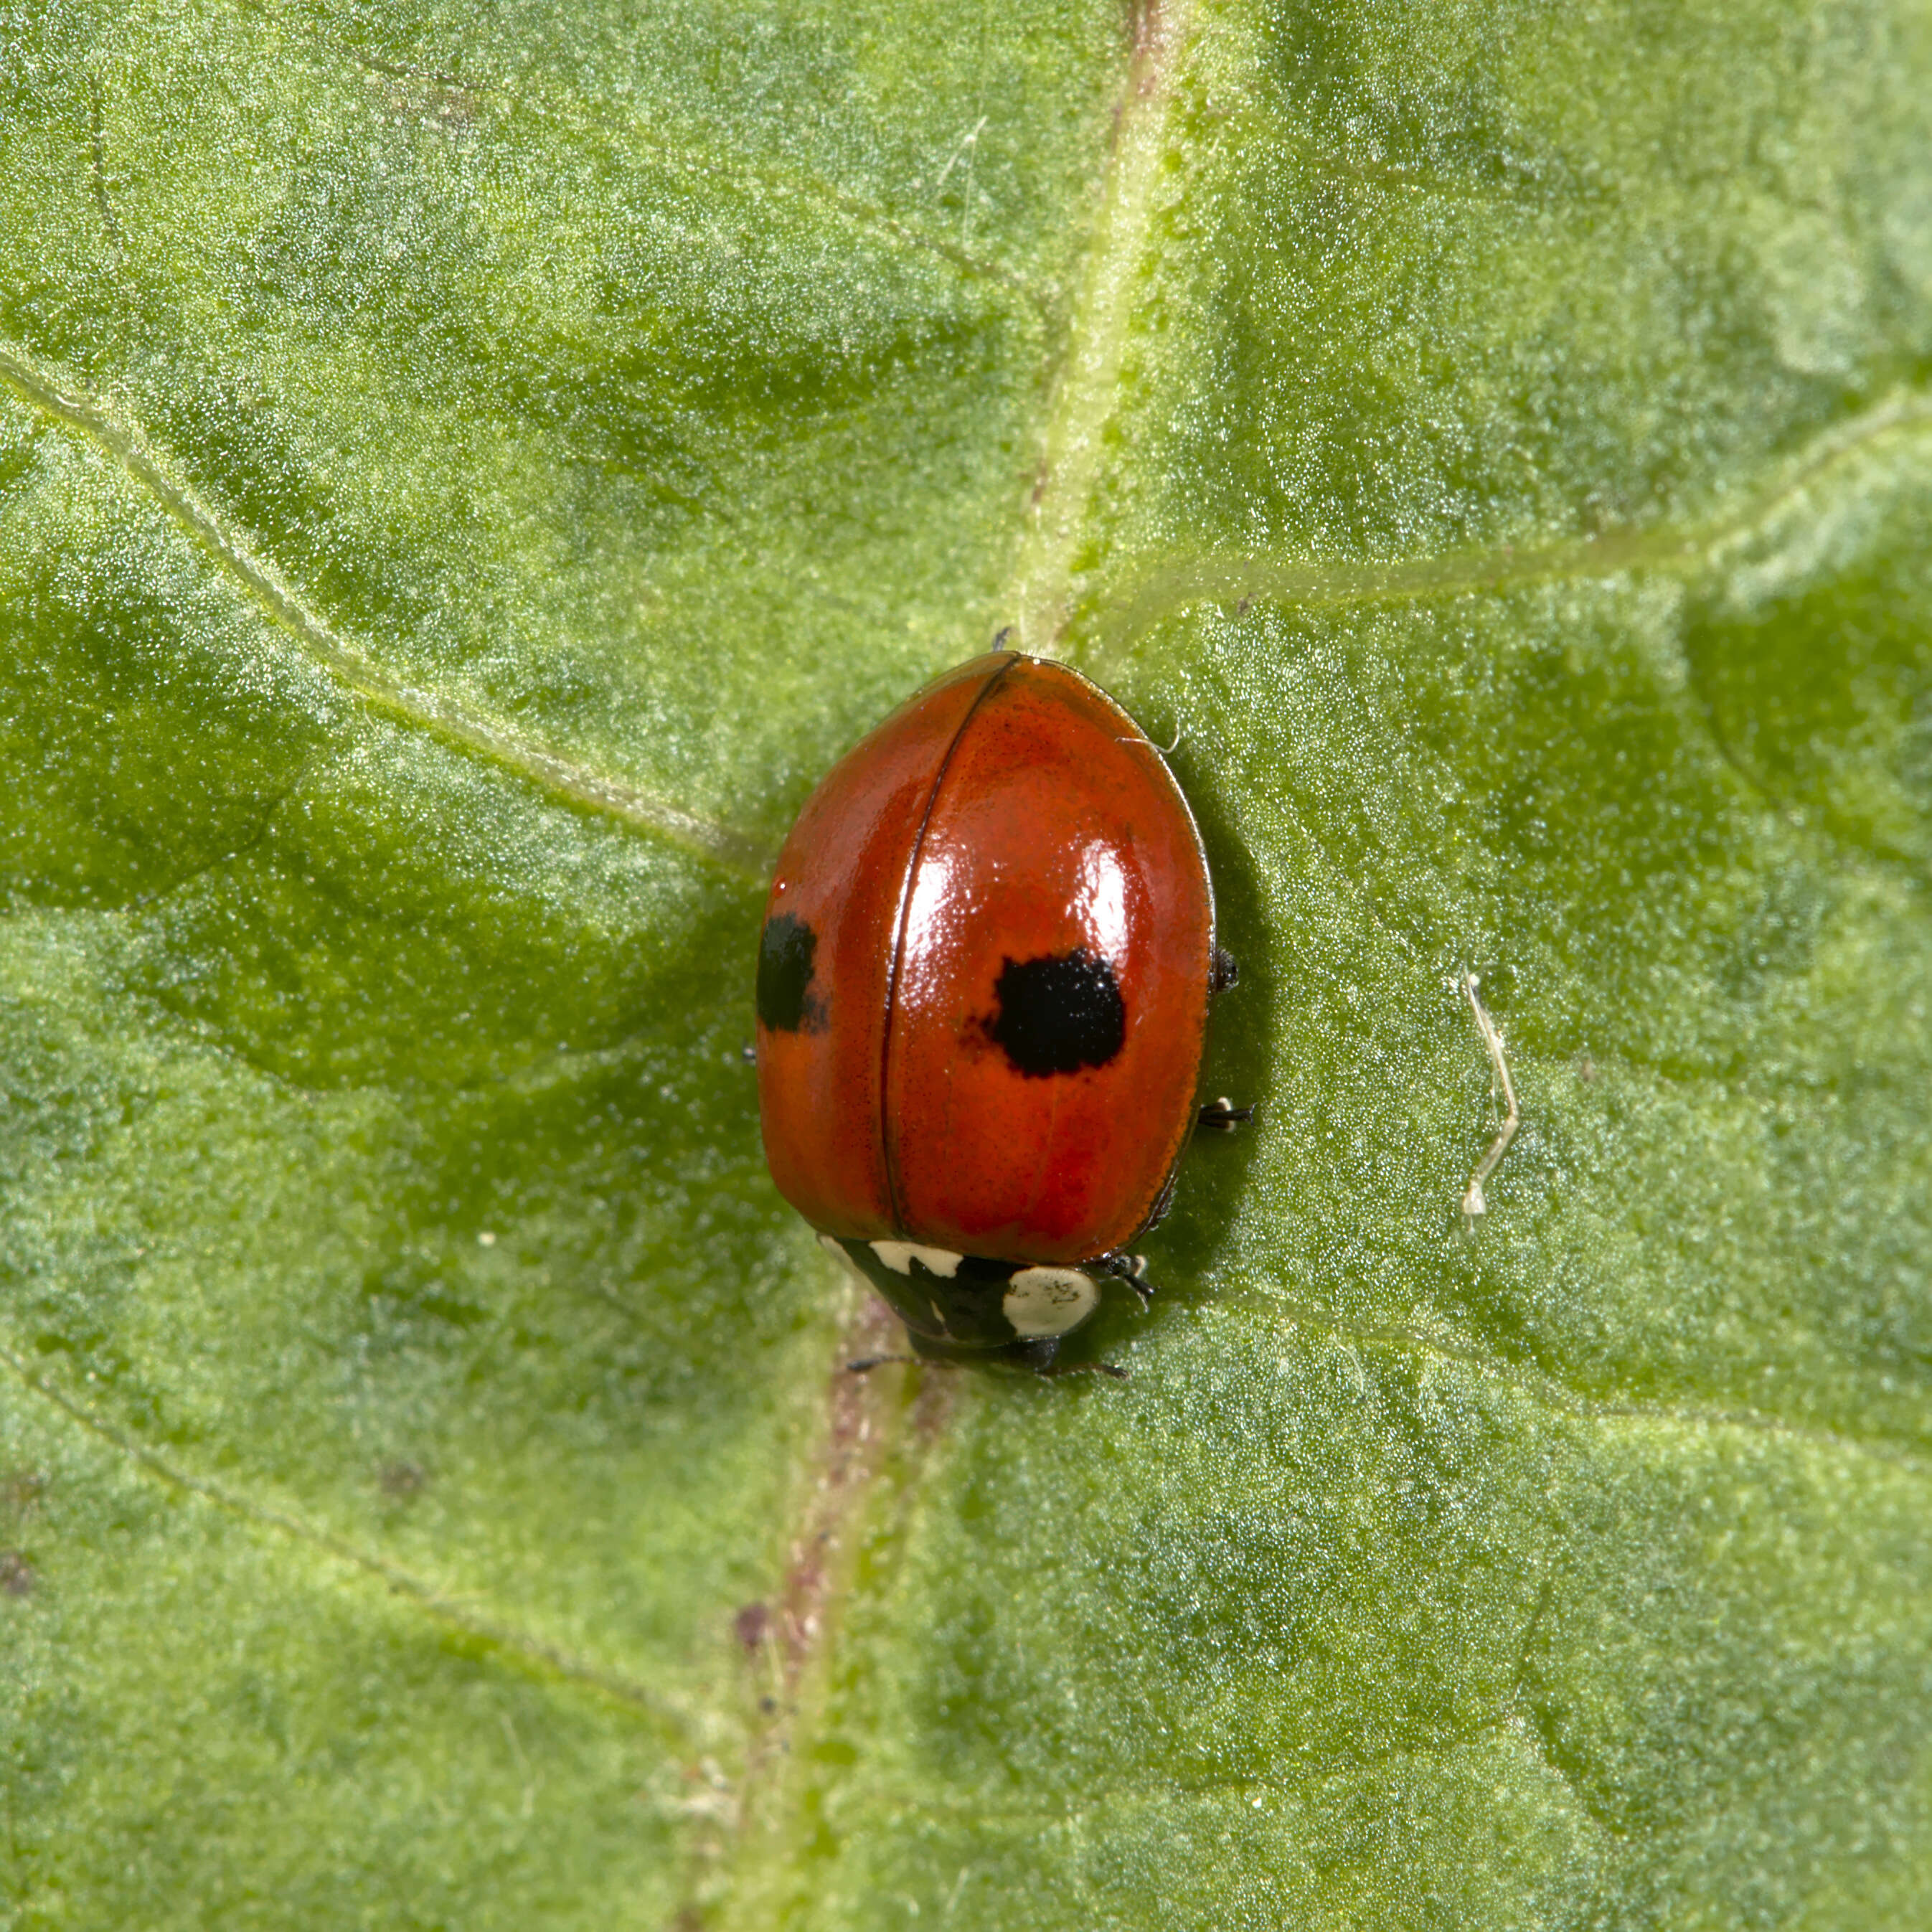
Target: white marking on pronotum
{"x":1473,"y":1203}
{"x":900,"y":1256}
{"x":1049,"y":1300}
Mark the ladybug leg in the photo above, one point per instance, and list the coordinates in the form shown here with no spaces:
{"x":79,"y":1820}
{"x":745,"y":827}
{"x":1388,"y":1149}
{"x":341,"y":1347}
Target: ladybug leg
{"x":1040,"y":1356}
{"x":1224,"y":1116}
{"x":1131,"y":1269}
{"x":866,"y":1363}
{"x":931,"y":1352}
{"x":1223,"y":972}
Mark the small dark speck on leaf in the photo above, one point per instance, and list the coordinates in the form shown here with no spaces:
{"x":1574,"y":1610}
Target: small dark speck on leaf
{"x":402,"y":1478}
{"x":752,"y":1625}
{"x":17,"y":1573}
{"x":20,"y":1489}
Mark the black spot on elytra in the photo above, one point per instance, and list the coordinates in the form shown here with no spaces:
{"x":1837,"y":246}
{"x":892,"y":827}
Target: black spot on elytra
{"x":786,"y":1003}
{"x":1058,"y":1013}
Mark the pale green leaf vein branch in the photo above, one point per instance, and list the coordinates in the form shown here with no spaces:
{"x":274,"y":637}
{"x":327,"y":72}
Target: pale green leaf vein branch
{"x":1118,"y":623}
{"x":1287,"y":1785}
{"x":1541,"y":1387}
{"x":125,"y":442}
{"x":531,"y":1651}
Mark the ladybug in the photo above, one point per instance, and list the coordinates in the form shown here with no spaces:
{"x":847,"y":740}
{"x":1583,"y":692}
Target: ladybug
{"x":983,"y":984}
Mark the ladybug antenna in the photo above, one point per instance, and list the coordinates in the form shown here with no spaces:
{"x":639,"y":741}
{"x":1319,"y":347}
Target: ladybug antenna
{"x":1000,"y":636}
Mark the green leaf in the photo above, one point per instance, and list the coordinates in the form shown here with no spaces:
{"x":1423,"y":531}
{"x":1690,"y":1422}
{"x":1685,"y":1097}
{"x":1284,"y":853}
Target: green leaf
{"x":466,"y":471}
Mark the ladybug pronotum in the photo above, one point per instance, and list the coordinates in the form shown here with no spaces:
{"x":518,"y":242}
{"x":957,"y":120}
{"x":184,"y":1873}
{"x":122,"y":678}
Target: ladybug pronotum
{"x":983,"y":997}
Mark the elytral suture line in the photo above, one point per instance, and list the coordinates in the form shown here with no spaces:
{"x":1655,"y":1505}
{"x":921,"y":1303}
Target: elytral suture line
{"x":530,"y":1651}
{"x":124,"y":440}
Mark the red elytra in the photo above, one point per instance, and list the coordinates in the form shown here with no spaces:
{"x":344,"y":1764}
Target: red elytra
{"x":984,"y":982}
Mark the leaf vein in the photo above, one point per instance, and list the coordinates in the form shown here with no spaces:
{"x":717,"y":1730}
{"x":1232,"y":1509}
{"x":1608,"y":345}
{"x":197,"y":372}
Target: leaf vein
{"x":124,"y":441}
{"x":529,"y":1650}
{"x":1157,"y":593}
{"x":1550,"y":1389}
